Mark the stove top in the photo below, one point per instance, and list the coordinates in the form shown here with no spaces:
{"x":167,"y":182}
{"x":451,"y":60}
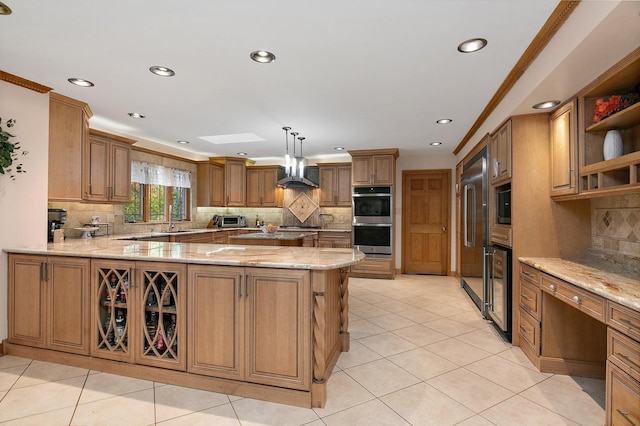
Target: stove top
{"x":299,"y":227}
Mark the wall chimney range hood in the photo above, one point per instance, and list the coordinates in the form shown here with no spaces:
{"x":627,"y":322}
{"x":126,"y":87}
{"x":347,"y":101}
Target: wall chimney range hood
{"x":310,"y":180}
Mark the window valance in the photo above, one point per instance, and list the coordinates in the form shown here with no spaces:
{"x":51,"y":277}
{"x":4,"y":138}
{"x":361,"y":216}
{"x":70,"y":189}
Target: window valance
{"x":156,"y":174}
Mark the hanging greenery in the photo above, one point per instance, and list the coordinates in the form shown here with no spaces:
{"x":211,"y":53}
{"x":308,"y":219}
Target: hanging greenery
{"x":9,"y":151}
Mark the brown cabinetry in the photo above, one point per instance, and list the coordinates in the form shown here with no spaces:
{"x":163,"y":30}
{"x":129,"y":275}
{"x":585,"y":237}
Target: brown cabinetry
{"x":329,"y":239}
{"x":108,"y":168}
{"x":563,"y":150}
{"x":48,"y":302}
{"x":138,"y":312}
{"x":500,"y":155}
{"x":222,"y":182}
{"x":262,"y":189}
{"x":250,"y":324}
{"x":373,"y":167}
{"x":201,"y":237}
{"x":372,"y":267}
{"x":335,"y":184}
{"x":68,"y":134}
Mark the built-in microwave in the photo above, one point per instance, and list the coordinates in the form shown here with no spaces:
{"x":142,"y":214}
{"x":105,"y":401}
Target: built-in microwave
{"x":372,"y":204}
{"x":503,"y":204}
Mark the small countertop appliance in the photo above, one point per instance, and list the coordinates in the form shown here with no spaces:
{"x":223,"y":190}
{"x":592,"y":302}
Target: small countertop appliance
{"x":56,"y":220}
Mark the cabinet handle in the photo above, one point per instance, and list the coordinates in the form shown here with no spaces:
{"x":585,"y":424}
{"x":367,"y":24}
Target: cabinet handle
{"x":552,"y":287}
{"x":44,"y":272}
{"x":576,"y":299}
{"x":627,"y":358}
{"x":240,"y":287}
{"x":246,"y":288}
{"x":132,"y":278}
{"x":525,"y":297}
{"x":625,"y":415}
{"x":570,"y":184}
{"x":527,"y":274}
{"x":629,"y":323}
{"x":523,"y":328}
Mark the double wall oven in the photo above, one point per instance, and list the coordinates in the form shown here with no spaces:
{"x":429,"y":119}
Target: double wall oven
{"x":372,"y":220}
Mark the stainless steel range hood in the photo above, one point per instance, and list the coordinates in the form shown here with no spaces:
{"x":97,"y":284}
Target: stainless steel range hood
{"x":310,"y":180}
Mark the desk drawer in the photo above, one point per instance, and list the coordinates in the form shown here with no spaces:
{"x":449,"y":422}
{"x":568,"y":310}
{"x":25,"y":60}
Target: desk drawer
{"x":624,"y":320}
{"x":587,"y":302}
{"x":530,"y":298}
{"x":623,"y":394}
{"x":529,"y":332}
{"x":624,"y":352}
{"x":530,"y":274}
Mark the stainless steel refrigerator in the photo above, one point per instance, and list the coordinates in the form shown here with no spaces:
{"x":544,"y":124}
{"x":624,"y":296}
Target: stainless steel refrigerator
{"x":475,"y":229}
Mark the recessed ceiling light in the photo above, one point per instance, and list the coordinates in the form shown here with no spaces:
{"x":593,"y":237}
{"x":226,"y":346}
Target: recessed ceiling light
{"x":183,"y":142}
{"x":444,"y":121}
{"x":472,"y":45}
{"x":435,"y":143}
{"x":243,"y":154}
{"x":4,"y":9}
{"x":80,"y":82}
{"x":135,"y":115}
{"x":262,"y":56}
{"x":339,"y":148}
{"x":546,"y":105}
{"x":162,"y":71}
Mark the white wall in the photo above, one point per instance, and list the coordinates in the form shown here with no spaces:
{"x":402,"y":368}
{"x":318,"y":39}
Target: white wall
{"x":425,"y":162}
{"x":23,"y":202}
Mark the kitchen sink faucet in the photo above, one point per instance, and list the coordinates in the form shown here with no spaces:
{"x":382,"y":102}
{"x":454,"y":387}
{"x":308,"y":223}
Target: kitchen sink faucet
{"x":171,"y":224}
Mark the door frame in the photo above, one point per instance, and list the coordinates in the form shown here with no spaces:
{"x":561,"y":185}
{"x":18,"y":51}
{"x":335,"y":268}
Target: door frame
{"x":405,"y":226}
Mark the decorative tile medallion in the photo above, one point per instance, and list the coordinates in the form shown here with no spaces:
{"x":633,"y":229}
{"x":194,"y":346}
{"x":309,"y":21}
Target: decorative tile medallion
{"x":302,"y":207}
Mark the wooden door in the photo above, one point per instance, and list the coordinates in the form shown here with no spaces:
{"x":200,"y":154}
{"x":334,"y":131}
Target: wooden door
{"x":278,"y":327}
{"x":216,"y":321}
{"x":69,"y":302}
{"x":120,"y":173}
{"x":98,"y":170}
{"x":26,"y":300}
{"x":425,"y":221}
{"x":235,"y":183}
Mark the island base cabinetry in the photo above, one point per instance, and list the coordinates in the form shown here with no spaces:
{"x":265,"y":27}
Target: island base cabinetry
{"x":264,"y":333}
{"x":374,"y":267}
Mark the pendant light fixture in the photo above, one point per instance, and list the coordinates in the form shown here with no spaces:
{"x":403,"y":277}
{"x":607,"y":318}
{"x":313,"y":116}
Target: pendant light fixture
{"x":294,"y":160}
{"x":287,"y":157}
{"x":301,"y":160}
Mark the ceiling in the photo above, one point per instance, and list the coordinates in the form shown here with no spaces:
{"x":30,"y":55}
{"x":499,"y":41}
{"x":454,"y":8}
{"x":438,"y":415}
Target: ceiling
{"x":359,"y":74}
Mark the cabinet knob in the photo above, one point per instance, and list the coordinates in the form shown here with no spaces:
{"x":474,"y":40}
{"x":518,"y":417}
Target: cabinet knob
{"x":552,"y":287}
{"x":576,"y":299}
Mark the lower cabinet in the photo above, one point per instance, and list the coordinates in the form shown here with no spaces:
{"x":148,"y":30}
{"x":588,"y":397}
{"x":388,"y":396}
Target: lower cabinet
{"x":138,"y":312}
{"x":329,"y":239}
{"x":250,"y":324}
{"x":48,"y":302}
{"x":373,"y":267}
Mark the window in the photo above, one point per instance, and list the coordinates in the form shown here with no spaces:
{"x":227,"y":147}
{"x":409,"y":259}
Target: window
{"x":153,"y":189}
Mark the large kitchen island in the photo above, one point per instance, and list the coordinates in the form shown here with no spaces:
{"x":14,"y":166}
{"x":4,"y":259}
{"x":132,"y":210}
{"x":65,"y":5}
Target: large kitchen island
{"x":266,"y":322}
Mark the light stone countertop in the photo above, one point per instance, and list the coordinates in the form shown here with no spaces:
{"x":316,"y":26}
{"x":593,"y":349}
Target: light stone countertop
{"x":621,"y":288}
{"x":286,"y":236}
{"x":131,"y":236}
{"x":211,"y":254}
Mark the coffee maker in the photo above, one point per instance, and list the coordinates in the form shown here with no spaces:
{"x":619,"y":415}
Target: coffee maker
{"x":57,"y":218}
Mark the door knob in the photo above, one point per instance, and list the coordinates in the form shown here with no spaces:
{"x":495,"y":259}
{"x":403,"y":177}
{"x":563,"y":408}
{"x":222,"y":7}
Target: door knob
{"x":444,"y":229}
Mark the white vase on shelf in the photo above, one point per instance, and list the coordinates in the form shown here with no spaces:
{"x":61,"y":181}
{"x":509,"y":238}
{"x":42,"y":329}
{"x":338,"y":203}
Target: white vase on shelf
{"x":612,"y":147}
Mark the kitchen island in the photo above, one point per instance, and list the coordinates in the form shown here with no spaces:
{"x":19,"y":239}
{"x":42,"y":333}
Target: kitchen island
{"x":265,"y":322}
{"x":290,"y":238}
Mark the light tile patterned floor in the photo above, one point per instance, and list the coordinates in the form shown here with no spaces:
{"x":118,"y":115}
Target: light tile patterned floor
{"x":420,"y":355}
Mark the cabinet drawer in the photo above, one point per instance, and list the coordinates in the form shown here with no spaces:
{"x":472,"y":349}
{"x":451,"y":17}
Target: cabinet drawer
{"x":588,"y":303}
{"x":530,"y":274}
{"x":530,"y":298}
{"x":624,"y":352}
{"x":624,"y":319}
{"x":501,"y":234}
{"x":529,"y":332}
{"x":622,"y":398}
{"x":373,"y":266}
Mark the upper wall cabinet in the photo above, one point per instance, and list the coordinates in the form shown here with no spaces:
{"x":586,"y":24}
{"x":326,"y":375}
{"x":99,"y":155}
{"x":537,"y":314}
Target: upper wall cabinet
{"x":335,"y":184}
{"x":609,"y":130}
{"x":222,"y":182}
{"x":68,"y":134}
{"x":563,"y":149}
{"x":262,"y":189}
{"x":500,"y":154}
{"x":108,"y":168}
{"x":373,"y":167}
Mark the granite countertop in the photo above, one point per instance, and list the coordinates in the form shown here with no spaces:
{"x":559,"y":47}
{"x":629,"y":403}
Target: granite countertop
{"x":619,"y":287}
{"x":288,"y":236}
{"x":204,"y":230}
{"x":212,"y":254}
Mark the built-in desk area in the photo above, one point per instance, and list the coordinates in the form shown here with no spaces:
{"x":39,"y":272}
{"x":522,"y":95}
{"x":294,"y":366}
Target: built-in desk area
{"x":583,"y":321}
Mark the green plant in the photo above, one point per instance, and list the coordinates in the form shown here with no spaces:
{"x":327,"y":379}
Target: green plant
{"x":9,"y":151}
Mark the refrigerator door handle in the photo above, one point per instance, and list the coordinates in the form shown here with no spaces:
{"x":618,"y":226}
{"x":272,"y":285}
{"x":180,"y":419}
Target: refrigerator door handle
{"x":490,"y":277}
{"x":469,"y":210}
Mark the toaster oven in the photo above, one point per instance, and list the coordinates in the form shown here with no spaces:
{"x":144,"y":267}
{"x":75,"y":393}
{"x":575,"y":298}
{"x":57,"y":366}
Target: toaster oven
{"x":232,"y":221}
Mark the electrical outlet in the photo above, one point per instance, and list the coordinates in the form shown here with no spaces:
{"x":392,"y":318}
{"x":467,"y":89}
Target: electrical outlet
{"x":110,"y":218}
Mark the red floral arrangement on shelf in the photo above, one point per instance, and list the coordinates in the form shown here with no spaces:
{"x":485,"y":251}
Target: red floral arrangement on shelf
{"x":615,"y":103}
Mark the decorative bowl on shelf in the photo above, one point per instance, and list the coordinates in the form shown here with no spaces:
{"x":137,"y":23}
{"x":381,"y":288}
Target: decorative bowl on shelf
{"x":269,"y":229}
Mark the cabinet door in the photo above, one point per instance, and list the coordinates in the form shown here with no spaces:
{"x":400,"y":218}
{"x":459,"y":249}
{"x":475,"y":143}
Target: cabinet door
{"x":343,"y":186}
{"x":69,"y":304}
{"x":383,"y":169}
{"x":255,"y":188}
{"x":563,"y":151}
{"x":98,"y":170}
{"x":120,"y":173}
{"x":328,"y":178}
{"x":261,"y":187}
{"x":278,"y":327}
{"x":500,"y":154}
{"x":361,"y":170}
{"x":216,"y":323}
{"x":235,"y":183}
{"x":112,"y":309}
{"x":160,"y":315}
{"x":26,"y":300}
{"x":217,"y":195}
